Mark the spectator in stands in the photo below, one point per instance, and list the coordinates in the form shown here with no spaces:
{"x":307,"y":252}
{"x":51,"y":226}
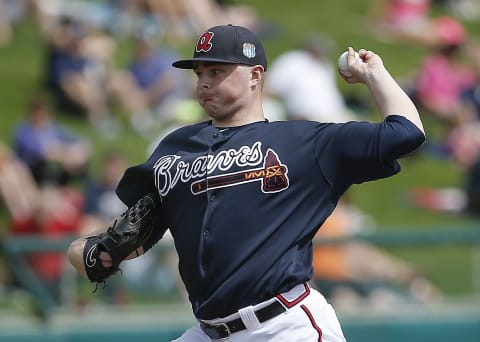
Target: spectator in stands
{"x":52,"y":152}
{"x":304,"y":80}
{"x":356,"y":271}
{"x":461,"y":145}
{"x":446,"y":88}
{"x":148,"y":89}
{"x":444,"y":76}
{"x":48,"y":211}
{"x":75,"y":74}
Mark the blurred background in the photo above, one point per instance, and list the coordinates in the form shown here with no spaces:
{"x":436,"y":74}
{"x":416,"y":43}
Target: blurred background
{"x":86,"y":90}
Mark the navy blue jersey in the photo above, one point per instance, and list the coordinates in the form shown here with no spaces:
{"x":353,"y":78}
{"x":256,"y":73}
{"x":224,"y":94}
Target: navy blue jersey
{"x":244,"y":203}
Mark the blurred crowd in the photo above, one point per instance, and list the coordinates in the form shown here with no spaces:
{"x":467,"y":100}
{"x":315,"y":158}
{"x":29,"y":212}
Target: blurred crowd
{"x":47,"y":186}
{"x":446,"y":88}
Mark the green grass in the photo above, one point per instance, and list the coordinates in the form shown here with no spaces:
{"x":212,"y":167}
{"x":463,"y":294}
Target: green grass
{"x":345,"y":21}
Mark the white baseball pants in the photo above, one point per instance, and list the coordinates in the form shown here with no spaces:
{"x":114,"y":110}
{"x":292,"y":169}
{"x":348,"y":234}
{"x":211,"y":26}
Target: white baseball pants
{"x":308,"y":318}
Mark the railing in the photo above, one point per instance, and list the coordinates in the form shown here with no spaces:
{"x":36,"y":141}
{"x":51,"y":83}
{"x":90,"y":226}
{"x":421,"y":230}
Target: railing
{"x":16,"y":248}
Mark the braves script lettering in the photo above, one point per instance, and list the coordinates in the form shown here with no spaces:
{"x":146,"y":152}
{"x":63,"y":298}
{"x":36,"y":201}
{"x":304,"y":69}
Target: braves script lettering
{"x":171,"y":169}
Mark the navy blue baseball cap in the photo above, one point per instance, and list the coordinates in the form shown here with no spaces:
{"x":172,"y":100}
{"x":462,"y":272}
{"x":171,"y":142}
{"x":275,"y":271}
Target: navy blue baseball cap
{"x":226,"y":44}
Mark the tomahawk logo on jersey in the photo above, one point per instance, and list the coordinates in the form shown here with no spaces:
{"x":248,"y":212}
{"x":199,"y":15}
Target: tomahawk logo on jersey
{"x":272,"y":174}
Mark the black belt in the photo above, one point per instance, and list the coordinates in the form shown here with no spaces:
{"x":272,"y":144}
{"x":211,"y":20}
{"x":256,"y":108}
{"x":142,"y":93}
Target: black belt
{"x":223,"y":330}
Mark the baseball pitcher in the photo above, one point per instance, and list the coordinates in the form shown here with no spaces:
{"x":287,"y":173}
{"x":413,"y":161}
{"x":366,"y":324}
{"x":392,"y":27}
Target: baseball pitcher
{"x":243,"y":197}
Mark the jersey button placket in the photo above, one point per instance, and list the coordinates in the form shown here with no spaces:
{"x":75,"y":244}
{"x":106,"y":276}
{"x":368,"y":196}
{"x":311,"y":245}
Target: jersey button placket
{"x":204,"y":255}
{"x":205,"y":230}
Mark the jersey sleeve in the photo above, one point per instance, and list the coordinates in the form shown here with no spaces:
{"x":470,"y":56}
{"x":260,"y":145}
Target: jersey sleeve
{"x":136,"y":182}
{"x":356,"y":152}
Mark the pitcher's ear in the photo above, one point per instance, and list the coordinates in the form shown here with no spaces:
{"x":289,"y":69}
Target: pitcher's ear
{"x":257,"y":74}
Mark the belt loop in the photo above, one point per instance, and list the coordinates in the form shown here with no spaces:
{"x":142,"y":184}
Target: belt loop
{"x":294,"y":296}
{"x":249,"y":318}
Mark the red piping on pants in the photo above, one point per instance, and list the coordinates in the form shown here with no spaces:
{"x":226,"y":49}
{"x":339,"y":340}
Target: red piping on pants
{"x":312,"y":320}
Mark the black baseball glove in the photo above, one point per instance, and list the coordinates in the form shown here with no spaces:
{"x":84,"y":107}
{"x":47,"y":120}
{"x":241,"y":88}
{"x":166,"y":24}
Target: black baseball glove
{"x":128,"y":232}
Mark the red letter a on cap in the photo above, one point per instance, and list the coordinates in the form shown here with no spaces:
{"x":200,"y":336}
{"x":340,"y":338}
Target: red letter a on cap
{"x":203,"y":43}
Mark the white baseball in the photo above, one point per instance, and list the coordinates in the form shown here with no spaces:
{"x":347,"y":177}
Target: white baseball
{"x":343,"y":63}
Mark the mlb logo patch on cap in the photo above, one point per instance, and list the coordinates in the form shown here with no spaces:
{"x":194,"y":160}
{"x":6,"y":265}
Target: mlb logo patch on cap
{"x":248,"y":50}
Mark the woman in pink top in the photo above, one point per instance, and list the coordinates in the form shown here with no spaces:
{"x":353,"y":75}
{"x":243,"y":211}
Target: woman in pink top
{"x":444,"y":76}
{"x":442,"y":81}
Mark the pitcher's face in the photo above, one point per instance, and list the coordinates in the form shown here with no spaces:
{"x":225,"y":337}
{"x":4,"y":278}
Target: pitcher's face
{"x":223,"y":89}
